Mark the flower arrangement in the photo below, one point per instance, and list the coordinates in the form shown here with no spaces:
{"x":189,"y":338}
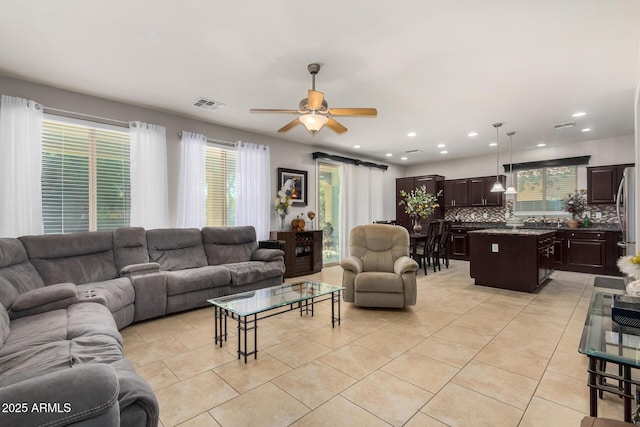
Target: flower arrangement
{"x":418,"y":203}
{"x":630,"y":265}
{"x":575,"y":203}
{"x":283,"y":199}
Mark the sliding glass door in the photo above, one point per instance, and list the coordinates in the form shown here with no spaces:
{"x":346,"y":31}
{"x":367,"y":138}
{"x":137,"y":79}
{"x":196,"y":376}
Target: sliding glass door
{"x":329,"y":211}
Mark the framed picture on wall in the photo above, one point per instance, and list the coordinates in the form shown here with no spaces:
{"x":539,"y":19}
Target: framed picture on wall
{"x":298,"y":182}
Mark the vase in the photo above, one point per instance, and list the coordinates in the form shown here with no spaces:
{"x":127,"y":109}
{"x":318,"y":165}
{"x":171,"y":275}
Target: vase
{"x":281,"y":221}
{"x":417,"y":227}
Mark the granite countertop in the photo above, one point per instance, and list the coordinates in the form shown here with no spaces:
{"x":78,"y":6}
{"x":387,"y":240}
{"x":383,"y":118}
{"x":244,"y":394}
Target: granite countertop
{"x":513,"y":231}
{"x":533,"y":226}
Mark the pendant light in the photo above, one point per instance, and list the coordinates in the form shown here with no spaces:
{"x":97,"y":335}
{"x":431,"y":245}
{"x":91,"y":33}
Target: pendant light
{"x":511,"y":189}
{"x":497,"y":187}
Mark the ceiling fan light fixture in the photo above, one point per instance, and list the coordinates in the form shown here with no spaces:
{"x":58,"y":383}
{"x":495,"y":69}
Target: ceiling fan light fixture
{"x":313,"y":122}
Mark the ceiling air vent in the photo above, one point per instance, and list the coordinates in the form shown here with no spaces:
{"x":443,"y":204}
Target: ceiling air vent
{"x":413,"y":151}
{"x":564,"y":125}
{"x":207,"y":104}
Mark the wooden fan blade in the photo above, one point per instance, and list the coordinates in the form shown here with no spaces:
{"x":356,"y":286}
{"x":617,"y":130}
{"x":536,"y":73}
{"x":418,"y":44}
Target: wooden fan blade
{"x":335,"y":126}
{"x":369,"y":112}
{"x":269,"y":110}
{"x":315,"y":99}
{"x":289,"y":125}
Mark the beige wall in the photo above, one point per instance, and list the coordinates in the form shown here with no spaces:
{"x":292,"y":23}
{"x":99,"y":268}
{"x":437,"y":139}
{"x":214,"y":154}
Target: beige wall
{"x":283,"y":153}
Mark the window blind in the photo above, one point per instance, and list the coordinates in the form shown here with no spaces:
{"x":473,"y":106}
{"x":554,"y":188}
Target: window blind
{"x":542,"y":190}
{"x":85,"y":177}
{"x":220,"y":171}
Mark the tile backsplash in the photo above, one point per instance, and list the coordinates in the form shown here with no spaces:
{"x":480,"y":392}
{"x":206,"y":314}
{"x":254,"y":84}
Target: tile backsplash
{"x":499,"y":214}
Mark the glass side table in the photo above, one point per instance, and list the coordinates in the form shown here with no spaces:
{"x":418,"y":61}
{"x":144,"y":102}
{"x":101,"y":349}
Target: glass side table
{"x":605,"y":341}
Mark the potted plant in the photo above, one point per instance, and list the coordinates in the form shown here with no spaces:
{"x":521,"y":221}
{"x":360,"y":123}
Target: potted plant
{"x":419,"y":204}
{"x":575,"y":203}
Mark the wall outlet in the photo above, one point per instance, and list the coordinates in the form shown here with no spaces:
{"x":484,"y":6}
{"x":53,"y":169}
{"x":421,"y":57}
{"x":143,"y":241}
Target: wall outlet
{"x":598,"y":215}
{"x":473,"y":215}
{"x":506,"y":215}
{"x":485,"y":215}
{"x":494,"y":247}
{"x":587,"y":214}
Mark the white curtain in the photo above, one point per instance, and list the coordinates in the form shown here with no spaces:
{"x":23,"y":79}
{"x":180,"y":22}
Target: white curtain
{"x":253,"y":185}
{"x":192,"y":191}
{"x":360,"y":200}
{"x":149,"y":184}
{"x":20,"y":167}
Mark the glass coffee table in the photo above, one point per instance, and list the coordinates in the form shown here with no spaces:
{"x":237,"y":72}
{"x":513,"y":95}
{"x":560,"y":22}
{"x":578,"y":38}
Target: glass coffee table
{"x":606,"y":342}
{"x":248,"y":307}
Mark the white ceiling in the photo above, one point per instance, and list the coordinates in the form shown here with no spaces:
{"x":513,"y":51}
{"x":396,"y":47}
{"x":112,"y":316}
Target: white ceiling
{"x":435,"y":67}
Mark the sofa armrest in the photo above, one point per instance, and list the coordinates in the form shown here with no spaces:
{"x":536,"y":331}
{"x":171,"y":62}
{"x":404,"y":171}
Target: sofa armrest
{"x":267,"y":255}
{"x":405,"y":264}
{"x":47,"y":298}
{"x":353,"y":264}
{"x":70,"y":396}
{"x":136,"y":269}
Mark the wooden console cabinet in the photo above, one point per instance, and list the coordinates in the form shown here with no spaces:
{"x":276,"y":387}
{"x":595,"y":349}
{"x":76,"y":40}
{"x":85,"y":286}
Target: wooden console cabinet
{"x":302,"y":251}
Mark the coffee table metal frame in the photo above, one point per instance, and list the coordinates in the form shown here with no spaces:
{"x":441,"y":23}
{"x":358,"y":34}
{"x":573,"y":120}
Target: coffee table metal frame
{"x":247,"y":320}
{"x":606,"y":342}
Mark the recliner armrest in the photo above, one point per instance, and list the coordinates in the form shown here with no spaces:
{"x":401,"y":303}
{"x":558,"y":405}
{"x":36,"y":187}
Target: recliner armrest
{"x":405,"y":264}
{"x":41,"y":300}
{"x":136,"y":269}
{"x":267,"y":255}
{"x":353,"y":264}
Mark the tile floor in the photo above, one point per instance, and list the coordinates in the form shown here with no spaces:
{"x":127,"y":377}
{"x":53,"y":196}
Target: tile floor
{"x":465,"y":355}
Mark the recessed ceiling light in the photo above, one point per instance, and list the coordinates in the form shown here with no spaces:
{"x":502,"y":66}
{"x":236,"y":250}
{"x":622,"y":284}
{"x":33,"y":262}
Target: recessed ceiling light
{"x":356,"y":146}
{"x":493,"y":144}
{"x":444,"y":152}
{"x":579,"y":114}
{"x":441,"y":145}
{"x":586,"y":129}
{"x":404,"y":158}
{"x":410,"y":134}
{"x":388,"y":154}
{"x":542,"y":144}
{"x":472,"y":134}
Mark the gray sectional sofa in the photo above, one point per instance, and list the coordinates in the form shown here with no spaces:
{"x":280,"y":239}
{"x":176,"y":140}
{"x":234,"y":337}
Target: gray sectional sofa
{"x":64,"y":298}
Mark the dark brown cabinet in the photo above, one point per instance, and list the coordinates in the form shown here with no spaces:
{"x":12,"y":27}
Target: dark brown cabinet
{"x":433,"y":183}
{"x":456,"y":193}
{"x":480,"y":191}
{"x":603,"y":182}
{"x":586,"y":251}
{"x":459,"y":244}
{"x":302,"y":251}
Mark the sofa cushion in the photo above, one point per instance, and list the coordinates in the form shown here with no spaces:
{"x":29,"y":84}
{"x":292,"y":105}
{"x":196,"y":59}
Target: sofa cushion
{"x":176,"y":248}
{"x":4,"y":325}
{"x":76,"y":258}
{"x":243,"y":273}
{"x":130,"y":246}
{"x":195,"y":279}
{"x":224,"y":245}
{"x":17,"y":275}
{"x":378,"y":282}
{"x":118,"y":293}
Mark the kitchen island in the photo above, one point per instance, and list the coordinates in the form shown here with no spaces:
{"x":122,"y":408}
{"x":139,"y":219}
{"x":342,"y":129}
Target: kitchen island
{"x":516,"y":259}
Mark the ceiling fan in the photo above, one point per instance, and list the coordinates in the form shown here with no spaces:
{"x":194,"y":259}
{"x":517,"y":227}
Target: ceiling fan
{"x":314,"y":111}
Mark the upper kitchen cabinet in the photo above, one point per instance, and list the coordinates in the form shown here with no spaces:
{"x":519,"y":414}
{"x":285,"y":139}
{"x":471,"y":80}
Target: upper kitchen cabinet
{"x":456,"y":193}
{"x":480,"y":191}
{"x":434,"y":184}
{"x":603,"y":182}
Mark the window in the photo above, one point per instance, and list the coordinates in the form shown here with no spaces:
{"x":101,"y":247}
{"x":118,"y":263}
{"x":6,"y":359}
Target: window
{"x":85,"y":176}
{"x":541,"y":190}
{"x":220,"y":170}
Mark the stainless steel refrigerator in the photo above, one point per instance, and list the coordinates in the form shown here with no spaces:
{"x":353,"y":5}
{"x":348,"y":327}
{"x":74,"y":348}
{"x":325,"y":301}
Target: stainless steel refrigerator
{"x":626,"y":210}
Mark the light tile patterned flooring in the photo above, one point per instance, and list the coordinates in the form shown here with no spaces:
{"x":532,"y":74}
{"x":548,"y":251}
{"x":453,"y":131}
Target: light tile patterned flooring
{"x":465,"y":355}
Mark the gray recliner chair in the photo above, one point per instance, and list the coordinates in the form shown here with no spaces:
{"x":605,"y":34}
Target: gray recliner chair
{"x":379,"y":271}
